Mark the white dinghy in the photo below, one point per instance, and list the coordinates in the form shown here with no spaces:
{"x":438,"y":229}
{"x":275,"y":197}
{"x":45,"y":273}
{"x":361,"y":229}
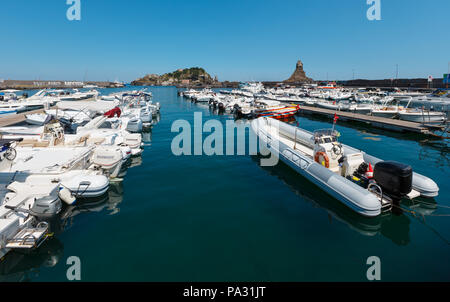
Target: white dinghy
{"x":73,"y":168}
{"x":342,"y":171}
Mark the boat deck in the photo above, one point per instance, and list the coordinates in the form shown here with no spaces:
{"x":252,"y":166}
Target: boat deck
{"x":14,"y":119}
{"x":375,"y":121}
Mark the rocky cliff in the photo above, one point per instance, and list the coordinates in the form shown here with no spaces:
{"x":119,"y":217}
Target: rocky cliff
{"x":299,"y":75}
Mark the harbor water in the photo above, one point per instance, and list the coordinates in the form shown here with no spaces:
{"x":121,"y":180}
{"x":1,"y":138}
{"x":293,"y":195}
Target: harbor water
{"x":226,"y":218}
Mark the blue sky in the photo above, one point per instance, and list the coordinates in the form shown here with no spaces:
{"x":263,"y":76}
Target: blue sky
{"x":233,"y":39}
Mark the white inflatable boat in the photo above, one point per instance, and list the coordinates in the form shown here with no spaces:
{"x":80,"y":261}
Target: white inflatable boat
{"x":342,"y":171}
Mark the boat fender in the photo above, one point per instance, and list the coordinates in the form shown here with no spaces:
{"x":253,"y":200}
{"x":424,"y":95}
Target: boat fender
{"x":325,"y":162}
{"x":66,"y":196}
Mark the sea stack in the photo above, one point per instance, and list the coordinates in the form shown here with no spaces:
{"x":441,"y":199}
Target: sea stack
{"x":299,"y":75}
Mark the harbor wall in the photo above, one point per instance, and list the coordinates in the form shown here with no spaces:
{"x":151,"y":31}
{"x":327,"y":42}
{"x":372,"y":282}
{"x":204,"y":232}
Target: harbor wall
{"x":20,"y":84}
{"x":385,"y":83}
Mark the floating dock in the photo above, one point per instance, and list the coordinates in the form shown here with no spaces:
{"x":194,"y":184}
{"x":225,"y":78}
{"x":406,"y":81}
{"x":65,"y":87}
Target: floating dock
{"x":379,"y":122}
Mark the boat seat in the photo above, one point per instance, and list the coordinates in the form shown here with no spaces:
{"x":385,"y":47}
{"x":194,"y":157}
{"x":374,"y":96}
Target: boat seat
{"x":27,"y":143}
{"x":33,"y":143}
{"x":43,"y":144}
{"x":352,"y":163}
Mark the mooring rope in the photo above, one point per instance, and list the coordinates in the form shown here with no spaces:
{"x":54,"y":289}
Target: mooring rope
{"x":419,"y":214}
{"x":434,"y":204}
{"x":423,"y":221}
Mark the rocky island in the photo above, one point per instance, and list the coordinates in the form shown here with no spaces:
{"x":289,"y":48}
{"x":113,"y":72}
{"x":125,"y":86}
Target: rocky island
{"x":189,"y":77}
{"x":299,"y":75}
{"x":197,"y":77}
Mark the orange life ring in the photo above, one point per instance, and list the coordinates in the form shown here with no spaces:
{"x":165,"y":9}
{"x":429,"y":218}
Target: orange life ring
{"x":325,"y":157}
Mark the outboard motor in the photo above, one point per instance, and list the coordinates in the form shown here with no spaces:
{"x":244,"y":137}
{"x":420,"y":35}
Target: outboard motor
{"x":109,"y":159}
{"x":46,"y":207}
{"x":395,"y":179}
{"x":236,"y":109}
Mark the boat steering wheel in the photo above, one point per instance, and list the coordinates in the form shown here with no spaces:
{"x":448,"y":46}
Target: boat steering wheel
{"x":337,"y":150}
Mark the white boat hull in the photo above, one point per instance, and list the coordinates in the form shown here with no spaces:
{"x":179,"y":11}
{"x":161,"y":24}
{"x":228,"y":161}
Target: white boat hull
{"x":423,"y":118}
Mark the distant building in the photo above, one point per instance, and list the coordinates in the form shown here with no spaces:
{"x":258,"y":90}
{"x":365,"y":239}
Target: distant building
{"x":20,"y":84}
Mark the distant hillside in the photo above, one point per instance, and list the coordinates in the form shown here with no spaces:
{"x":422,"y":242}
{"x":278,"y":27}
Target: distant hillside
{"x":189,"y":76}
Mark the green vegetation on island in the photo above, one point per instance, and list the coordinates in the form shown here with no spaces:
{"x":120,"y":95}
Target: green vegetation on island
{"x":189,"y":76}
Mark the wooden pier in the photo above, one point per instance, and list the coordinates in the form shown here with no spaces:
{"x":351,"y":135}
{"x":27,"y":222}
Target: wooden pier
{"x":378,"y":122}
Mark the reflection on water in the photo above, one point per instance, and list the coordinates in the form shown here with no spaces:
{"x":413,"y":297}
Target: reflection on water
{"x":156,"y":119}
{"x":18,"y":266}
{"x":147,"y":132}
{"x":136,"y":162}
{"x":147,"y":137}
{"x":436,"y":151}
{"x":394,"y":227}
{"x":108,"y":203}
{"x":421,"y":206}
{"x":25,"y":266}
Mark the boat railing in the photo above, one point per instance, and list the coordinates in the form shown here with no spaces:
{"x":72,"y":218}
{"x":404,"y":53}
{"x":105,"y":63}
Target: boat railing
{"x":29,"y":237}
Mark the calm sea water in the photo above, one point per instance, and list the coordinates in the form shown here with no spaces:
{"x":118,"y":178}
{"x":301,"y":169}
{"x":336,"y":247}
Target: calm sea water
{"x":224,"y":218}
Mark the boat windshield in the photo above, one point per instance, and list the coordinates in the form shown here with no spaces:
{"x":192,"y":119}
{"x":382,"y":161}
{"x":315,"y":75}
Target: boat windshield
{"x":326,"y":136}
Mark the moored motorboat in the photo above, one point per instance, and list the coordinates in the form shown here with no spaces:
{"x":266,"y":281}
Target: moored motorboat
{"x":43,"y":165}
{"x":282,"y":112}
{"x":342,"y":171}
{"x":360,"y":108}
{"x":8,"y":109}
{"x":340,"y":106}
{"x":422,"y":116}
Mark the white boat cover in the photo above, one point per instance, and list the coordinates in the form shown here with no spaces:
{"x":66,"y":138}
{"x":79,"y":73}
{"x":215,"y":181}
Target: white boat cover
{"x":97,"y":106}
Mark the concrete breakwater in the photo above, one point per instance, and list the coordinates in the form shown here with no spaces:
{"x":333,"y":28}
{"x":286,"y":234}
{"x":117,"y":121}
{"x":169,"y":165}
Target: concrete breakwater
{"x":21,"y":84}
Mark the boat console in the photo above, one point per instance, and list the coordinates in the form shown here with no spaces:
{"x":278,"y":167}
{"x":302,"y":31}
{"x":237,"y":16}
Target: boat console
{"x":327,"y":150}
{"x":53,"y":133}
